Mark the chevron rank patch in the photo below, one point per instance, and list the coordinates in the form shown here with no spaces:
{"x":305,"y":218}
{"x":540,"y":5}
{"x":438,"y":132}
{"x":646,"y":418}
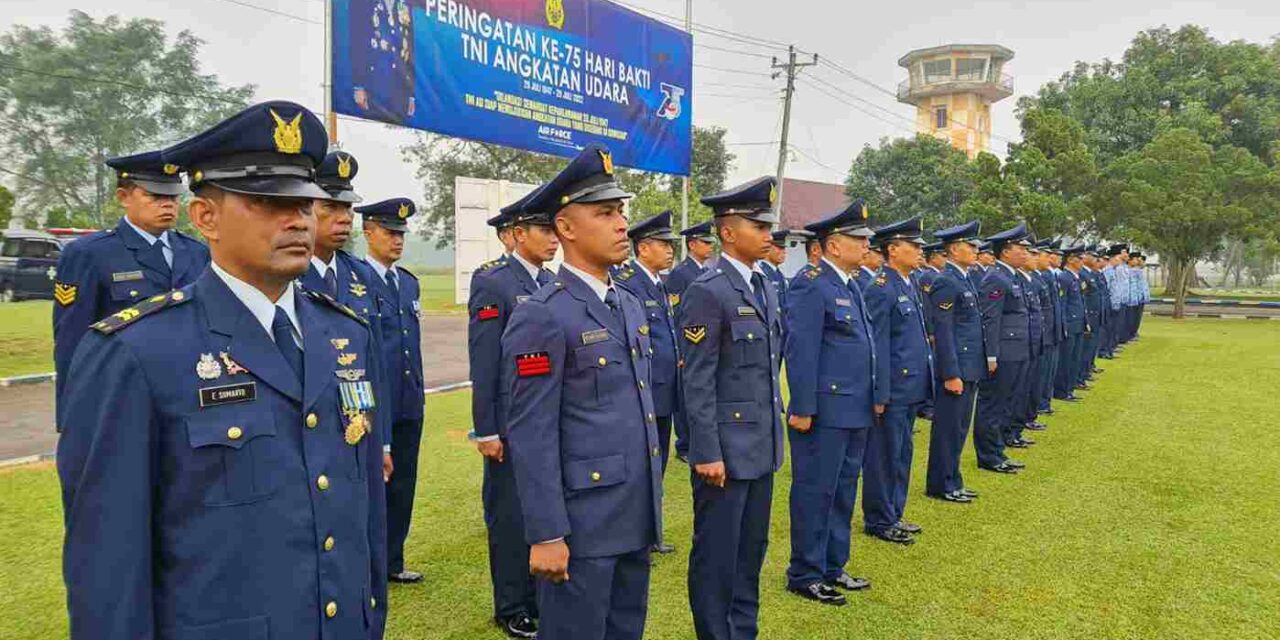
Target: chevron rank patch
{"x":695,"y":333}
{"x":536,"y":363}
{"x":65,"y":293}
{"x":945,"y":306}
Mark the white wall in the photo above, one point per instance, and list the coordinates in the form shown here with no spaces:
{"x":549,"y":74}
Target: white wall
{"x":475,"y":201}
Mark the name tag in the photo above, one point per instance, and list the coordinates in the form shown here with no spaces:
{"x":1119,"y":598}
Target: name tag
{"x":651,"y":303}
{"x":126,"y":276}
{"x":746,"y":311}
{"x":592,"y":337}
{"x":903,"y":299}
{"x":521,"y":299}
{"x":844,"y":302}
{"x":228,"y":394}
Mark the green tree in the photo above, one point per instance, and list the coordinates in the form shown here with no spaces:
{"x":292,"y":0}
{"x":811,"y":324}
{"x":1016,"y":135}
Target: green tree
{"x":6,"y":207}
{"x":1184,"y":198}
{"x":441,"y":159}
{"x":904,"y":177}
{"x":96,"y":89}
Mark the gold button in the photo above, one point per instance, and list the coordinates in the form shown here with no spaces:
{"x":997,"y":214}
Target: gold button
{"x":737,"y":416}
{"x":133,"y":293}
{"x":328,"y":543}
{"x":651,"y":418}
{"x":312,"y":420}
{"x":331,"y":609}
{"x":655,"y":452}
{"x":177,"y":296}
{"x":322,"y":482}
{"x":634,"y":353}
{"x":234,"y":433}
{"x":904,"y":372}
{"x":642,"y":384}
{"x":602,"y":361}
{"x":650,"y":350}
{"x":833,"y":387}
{"x":373,"y":602}
{"x":751,"y":336}
{"x":406,"y":372}
{"x":595,"y":476}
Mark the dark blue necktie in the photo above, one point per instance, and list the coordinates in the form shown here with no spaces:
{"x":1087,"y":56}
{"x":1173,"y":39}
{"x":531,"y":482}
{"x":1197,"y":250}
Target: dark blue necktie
{"x":331,"y":283}
{"x":282,"y":332}
{"x":544,"y":277}
{"x":391,"y":282}
{"x":757,"y":283}
{"x":611,"y":299}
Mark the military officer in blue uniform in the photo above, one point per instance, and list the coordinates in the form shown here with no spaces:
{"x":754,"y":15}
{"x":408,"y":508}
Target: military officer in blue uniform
{"x":653,"y":248}
{"x":1093,"y":304}
{"x":226,"y":481}
{"x":870,"y":269}
{"x":396,"y":289}
{"x":496,"y":290}
{"x":1006,"y":328}
{"x":985,"y":260}
{"x":1024,"y":408}
{"x":960,"y":361}
{"x":335,"y":272}
{"x":1073,"y":312}
{"x":831,"y":373}
{"x":904,"y":380}
{"x":731,"y":340}
{"x":1143,"y":290}
{"x":700,"y":247}
{"x":581,"y":426}
{"x":110,"y":270}
{"x":1118,"y":286}
{"x":772,"y":265}
{"x":1051,"y":300}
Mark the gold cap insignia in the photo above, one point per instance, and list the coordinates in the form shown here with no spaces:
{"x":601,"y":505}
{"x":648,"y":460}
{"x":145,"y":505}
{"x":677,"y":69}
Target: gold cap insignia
{"x":287,"y":135}
{"x":199,"y":176}
{"x":864,"y":212}
{"x":404,"y":211}
{"x":170,"y":169}
{"x":344,"y":166}
{"x":607,"y":159}
{"x":773,"y":194}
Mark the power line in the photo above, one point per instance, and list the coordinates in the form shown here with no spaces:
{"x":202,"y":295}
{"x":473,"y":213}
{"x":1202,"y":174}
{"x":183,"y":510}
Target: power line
{"x":852,"y":96}
{"x":733,"y":51}
{"x":855,"y":106}
{"x":743,"y":97}
{"x":738,"y":86}
{"x":724,"y":70}
{"x":751,"y":144}
{"x":817,"y":161}
{"x":118,"y":83}
{"x":282,"y":14}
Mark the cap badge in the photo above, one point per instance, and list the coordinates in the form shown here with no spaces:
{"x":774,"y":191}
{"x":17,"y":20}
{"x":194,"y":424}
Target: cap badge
{"x":287,"y":135}
{"x":344,"y":166}
{"x":607,"y":159}
{"x":773,"y":194}
{"x":170,"y":169}
{"x":404,"y":211}
{"x":864,"y":212}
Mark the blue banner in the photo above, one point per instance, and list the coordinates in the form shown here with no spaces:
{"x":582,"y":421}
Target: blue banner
{"x":543,"y":75}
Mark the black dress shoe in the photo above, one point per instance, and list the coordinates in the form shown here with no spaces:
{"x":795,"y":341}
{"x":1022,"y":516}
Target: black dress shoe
{"x":968,"y":492}
{"x":1015,"y":464}
{"x":850,"y":583}
{"x":1047,"y":412}
{"x":1016,"y":444}
{"x":405,"y":577}
{"x":663,"y":548}
{"x":821,"y":593}
{"x":1034,"y":426}
{"x":894,"y":535}
{"x":1071,"y":398}
{"x":1026,"y":441}
{"x":1097,"y":370}
{"x":909,"y":527}
{"x":1000,"y":468}
{"x":1083,"y":387}
{"x":682,"y":458}
{"x":950,"y":497}
{"x":519,"y":626}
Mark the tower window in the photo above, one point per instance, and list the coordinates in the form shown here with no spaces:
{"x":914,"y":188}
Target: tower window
{"x":940,"y":117}
{"x":972,"y":69}
{"x":937,"y":70}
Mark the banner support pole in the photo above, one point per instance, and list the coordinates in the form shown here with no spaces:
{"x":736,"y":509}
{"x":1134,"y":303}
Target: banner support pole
{"x":684,"y":191}
{"x":330,"y":118}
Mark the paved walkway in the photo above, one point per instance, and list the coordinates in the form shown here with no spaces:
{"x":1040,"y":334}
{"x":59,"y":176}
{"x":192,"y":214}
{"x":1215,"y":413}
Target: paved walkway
{"x":26,"y":411}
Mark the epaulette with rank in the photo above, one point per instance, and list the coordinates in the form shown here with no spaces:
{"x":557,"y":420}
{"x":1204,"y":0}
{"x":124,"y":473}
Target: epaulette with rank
{"x":407,"y":272}
{"x":126,"y":317}
{"x":812,"y":272}
{"x":626,"y":273}
{"x":881,"y":280}
{"x":491,"y":264}
{"x":327,"y":299}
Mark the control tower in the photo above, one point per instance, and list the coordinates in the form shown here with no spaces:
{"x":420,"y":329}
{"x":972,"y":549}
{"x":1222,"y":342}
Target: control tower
{"x":953,"y":87}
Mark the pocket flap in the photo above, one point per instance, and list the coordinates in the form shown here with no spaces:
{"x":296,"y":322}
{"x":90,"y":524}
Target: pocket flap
{"x":133,"y":290}
{"x":836,"y":386}
{"x":595,"y":473}
{"x":736,"y":412}
{"x":748,"y":330}
{"x":228,"y":428}
{"x":597,"y":356}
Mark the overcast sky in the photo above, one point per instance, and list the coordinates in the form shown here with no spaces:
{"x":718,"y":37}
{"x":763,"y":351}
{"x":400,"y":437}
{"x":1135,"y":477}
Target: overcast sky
{"x":283,"y":56}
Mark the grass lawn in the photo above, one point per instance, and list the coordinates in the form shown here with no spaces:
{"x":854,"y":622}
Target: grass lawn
{"x":1226,"y":294}
{"x":26,"y":338}
{"x":436,"y":293}
{"x":1147,"y":511}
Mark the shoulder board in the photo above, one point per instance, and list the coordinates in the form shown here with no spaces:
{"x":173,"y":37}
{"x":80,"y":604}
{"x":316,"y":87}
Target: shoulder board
{"x":881,"y":280}
{"x":324,"y":298}
{"x":406,"y":272}
{"x":126,"y":317}
{"x":544,"y":293}
{"x":496,"y":262}
{"x":625,"y":274}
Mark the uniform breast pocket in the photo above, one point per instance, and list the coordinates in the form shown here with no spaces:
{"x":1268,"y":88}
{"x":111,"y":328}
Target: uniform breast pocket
{"x":968,"y":301}
{"x":906,"y":308}
{"x":596,"y":371}
{"x":133,"y":291}
{"x":237,"y":456}
{"x":840,"y":320}
{"x":750,"y":343}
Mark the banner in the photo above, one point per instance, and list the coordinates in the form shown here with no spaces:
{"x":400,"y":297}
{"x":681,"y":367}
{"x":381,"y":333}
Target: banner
{"x":543,"y":75}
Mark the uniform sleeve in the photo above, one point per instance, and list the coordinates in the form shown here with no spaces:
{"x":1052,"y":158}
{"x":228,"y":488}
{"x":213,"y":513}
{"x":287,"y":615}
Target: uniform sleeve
{"x":381,"y":435}
{"x":71,"y":320}
{"x":107,"y":466}
{"x":535,"y":342}
{"x":805,"y":317}
{"x":879,"y":307}
{"x":942,"y":301}
{"x":486,"y":316}
{"x":993,"y":296}
{"x":700,"y":318}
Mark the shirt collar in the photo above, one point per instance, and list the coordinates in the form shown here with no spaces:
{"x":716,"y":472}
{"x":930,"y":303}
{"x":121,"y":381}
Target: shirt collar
{"x":262,"y":308}
{"x":379,"y":268}
{"x":869,"y":272}
{"x":1006,"y":266}
{"x":647,"y":272}
{"x":844,"y":277}
{"x":742,"y":269}
{"x":323,"y":267}
{"x":533,"y":271}
{"x":147,"y":236}
{"x":700,"y":265}
{"x":601,"y":289}
{"x":957,"y":268}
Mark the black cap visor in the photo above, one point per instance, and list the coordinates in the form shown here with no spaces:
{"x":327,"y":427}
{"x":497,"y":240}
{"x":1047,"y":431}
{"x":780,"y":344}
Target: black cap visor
{"x":166,"y":188}
{"x":273,"y":187}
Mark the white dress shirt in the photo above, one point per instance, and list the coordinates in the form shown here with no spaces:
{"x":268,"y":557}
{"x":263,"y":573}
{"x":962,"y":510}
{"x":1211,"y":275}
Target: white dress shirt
{"x":262,"y":308}
{"x":151,"y":240}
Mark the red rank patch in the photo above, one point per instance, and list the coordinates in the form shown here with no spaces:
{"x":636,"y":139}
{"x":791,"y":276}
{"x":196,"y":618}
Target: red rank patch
{"x":995,"y":295}
{"x":533,"y":364}
{"x":488,"y":312}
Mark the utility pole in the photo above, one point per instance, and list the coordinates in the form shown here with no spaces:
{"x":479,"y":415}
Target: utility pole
{"x":330,"y":118}
{"x":684,"y":182}
{"x":792,"y":69}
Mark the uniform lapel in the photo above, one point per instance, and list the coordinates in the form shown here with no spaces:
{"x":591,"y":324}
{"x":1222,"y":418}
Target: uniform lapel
{"x":744,"y":288}
{"x":249,"y":344}
{"x":144,"y":255}
{"x":317,"y":354}
{"x":596,"y":307}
